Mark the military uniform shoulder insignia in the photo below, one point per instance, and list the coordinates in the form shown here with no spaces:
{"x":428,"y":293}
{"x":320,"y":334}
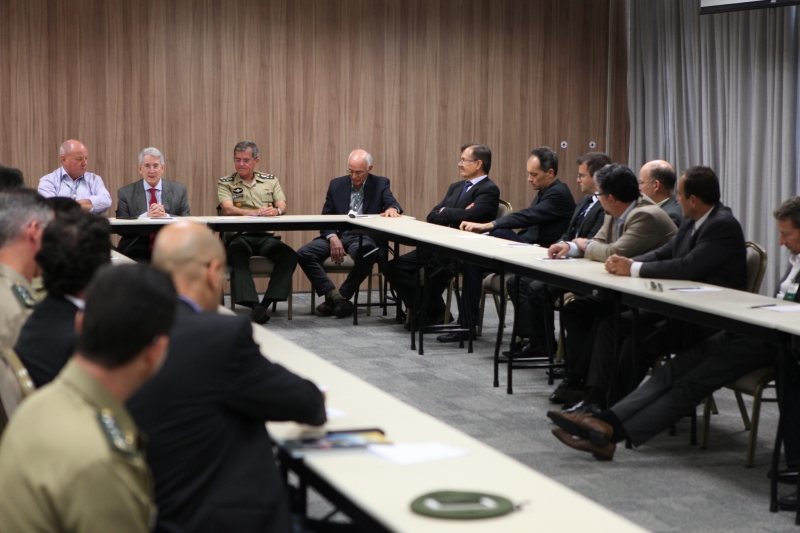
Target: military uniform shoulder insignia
{"x":226,"y":179}
{"x":266,"y":176}
{"x":24,"y":295}
{"x":117,"y":439}
{"x":238,"y":190}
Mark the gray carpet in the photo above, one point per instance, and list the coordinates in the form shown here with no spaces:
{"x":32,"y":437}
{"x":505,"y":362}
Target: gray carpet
{"x":665,"y":485}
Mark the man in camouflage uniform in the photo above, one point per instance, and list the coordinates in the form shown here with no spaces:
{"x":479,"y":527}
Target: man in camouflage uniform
{"x":71,"y":457}
{"x":250,"y":193}
{"x":23,"y":217}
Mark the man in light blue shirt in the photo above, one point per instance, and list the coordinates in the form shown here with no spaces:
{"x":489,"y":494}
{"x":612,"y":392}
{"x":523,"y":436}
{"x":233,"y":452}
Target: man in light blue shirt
{"x":72,"y":180}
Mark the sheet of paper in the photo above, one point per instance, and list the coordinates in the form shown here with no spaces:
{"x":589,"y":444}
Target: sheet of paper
{"x":517,"y":245}
{"x":366,"y":216}
{"x":696,"y":289}
{"x":781,"y":308}
{"x":474,"y":236}
{"x":548,"y":260}
{"x":333,"y":412}
{"x":411,"y":453}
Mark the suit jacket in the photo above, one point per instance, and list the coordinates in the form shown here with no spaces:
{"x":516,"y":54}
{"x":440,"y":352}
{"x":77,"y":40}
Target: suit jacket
{"x":713,"y":254}
{"x":673,"y":209}
{"x":485,"y":195}
{"x":646,"y":227}
{"x":546,"y":218}
{"x":132,"y":201}
{"x":377,"y":198}
{"x":204,"y":414}
{"x":587,"y":226}
{"x":47,"y":339}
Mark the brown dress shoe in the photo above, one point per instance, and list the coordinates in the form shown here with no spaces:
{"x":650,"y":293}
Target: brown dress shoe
{"x":325,"y":308}
{"x":343,"y":308}
{"x":601,"y":453}
{"x":584,"y":426}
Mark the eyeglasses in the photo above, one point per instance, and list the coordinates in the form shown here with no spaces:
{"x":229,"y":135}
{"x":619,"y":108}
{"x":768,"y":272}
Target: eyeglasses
{"x":463,"y":161}
{"x":358,"y":173}
{"x":583,"y":176}
{"x":242,"y":161}
{"x":154,"y":166}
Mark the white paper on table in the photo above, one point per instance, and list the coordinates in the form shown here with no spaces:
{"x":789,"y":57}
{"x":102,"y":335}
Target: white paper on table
{"x":227,"y":218}
{"x":517,"y":245}
{"x":333,"y":412}
{"x":474,"y":236}
{"x":781,"y":308}
{"x":365,"y":216}
{"x":696,"y":289}
{"x":548,"y":259}
{"x":165,"y":219}
{"x":410,"y":453}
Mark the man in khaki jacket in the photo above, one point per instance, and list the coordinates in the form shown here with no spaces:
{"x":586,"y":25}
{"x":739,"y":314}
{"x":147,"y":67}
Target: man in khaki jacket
{"x":633,"y":225}
{"x":23,"y":217}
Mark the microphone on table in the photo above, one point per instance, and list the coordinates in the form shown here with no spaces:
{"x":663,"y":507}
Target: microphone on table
{"x":352,"y":213}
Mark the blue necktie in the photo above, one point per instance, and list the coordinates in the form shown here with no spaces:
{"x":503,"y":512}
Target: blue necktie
{"x":467,"y":185}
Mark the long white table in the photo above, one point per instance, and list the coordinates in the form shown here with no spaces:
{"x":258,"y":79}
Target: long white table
{"x":384,"y":491}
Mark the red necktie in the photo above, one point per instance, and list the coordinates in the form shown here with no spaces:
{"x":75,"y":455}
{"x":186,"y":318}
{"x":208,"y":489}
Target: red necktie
{"x":153,"y":200}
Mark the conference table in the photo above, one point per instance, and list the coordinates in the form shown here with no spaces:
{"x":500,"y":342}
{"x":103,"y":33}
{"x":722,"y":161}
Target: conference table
{"x":716,"y":307}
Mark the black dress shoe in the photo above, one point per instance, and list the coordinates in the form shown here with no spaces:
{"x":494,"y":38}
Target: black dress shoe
{"x":528,"y":351}
{"x":788,"y":476}
{"x":568,"y":392}
{"x":343,"y":308}
{"x":520,"y":348}
{"x":558,"y":373}
{"x":325,"y":308}
{"x":583,"y":409}
{"x":259,"y":315}
{"x":788,"y":503}
{"x":456,"y":336}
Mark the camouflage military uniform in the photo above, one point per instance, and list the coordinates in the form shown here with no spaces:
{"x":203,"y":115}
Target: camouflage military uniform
{"x":70,"y":460}
{"x":17,"y":299}
{"x":264,"y":191}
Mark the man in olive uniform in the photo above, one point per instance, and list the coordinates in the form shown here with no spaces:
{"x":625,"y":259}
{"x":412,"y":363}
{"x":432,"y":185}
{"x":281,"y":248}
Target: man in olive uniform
{"x":250,"y":193}
{"x":71,"y":458}
{"x":23,"y":217}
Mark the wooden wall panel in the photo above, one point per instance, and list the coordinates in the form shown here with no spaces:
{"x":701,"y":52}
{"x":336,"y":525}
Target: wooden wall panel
{"x":309,"y":80}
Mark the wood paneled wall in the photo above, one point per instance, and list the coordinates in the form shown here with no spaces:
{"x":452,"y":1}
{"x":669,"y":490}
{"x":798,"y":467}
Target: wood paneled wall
{"x":310,"y":80}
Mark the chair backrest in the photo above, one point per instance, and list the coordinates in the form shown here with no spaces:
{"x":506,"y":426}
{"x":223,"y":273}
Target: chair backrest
{"x":756,"y":266}
{"x":15,"y":384}
{"x":504,"y":208}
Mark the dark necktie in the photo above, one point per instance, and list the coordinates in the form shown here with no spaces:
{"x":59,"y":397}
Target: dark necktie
{"x":467,"y":185}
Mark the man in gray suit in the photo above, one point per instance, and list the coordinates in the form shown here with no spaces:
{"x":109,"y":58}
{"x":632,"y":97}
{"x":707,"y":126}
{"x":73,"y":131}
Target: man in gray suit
{"x":150,"y":197}
{"x":657,"y":181}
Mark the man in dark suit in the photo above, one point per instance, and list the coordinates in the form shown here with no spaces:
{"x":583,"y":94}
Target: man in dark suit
{"x":150,"y":197}
{"x":74,"y":247}
{"x":359,"y":193}
{"x":709,"y":248}
{"x":657,"y":181}
{"x":585,"y":223}
{"x":474,"y":198}
{"x":209,"y":451}
{"x":687,"y":379}
{"x":542,"y":222}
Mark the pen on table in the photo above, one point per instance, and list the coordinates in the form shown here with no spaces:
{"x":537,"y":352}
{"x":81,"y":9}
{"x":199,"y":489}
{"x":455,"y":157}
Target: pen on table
{"x":762,"y":306}
{"x":370,"y":252}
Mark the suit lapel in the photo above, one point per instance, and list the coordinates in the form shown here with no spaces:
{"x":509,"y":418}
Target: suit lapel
{"x":166,"y":196}
{"x":369,"y":186}
{"x":139,"y":199}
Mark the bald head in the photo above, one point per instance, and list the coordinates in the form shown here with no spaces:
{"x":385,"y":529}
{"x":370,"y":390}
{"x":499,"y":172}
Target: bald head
{"x":74,"y":158}
{"x":358,"y":166}
{"x":182,"y":247}
{"x":657,"y":180}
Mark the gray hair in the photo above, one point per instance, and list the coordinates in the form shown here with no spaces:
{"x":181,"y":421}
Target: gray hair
{"x":789,"y":210}
{"x":152,"y":152}
{"x":66,"y":148}
{"x":243,"y":146}
{"x":18,"y":209}
{"x":367,"y":156}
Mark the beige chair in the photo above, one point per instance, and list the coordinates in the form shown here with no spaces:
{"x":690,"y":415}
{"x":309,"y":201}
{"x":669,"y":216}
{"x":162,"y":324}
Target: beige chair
{"x":754,"y":383}
{"x":260,"y":267}
{"x":15,"y":384}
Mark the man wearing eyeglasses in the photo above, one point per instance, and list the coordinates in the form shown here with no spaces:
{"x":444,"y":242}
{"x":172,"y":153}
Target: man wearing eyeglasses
{"x":149,"y":197}
{"x":657,"y":181}
{"x":247,"y":192}
{"x":359,"y":193}
{"x":72,"y":180}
